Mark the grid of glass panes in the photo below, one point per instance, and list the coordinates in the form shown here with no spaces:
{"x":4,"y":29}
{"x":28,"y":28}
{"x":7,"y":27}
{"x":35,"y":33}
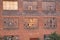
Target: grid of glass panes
{"x":50,"y":23}
{"x":49,"y":7}
{"x":10,"y":5}
{"x":31,"y":23}
{"x":11,"y":37}
{"x":29,"y":5}
{"x":10,"y":23}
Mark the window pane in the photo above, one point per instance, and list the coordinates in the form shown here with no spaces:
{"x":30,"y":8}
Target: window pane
{"x":10,"y":5}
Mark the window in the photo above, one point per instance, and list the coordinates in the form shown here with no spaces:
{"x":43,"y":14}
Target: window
{"x":50,"y":23}
{"x":49,"y":7}
{"x":11,"y":37}
{"x":46,"y":37}
{"x":10,"y":5}
{"x":10,"y":23}
{"x":10,"y":8}
{"x":30,"y":5}
{"x":31,"y":23}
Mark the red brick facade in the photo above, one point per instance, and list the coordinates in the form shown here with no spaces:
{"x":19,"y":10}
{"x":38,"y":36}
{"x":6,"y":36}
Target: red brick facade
{"x":26,"y":33}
